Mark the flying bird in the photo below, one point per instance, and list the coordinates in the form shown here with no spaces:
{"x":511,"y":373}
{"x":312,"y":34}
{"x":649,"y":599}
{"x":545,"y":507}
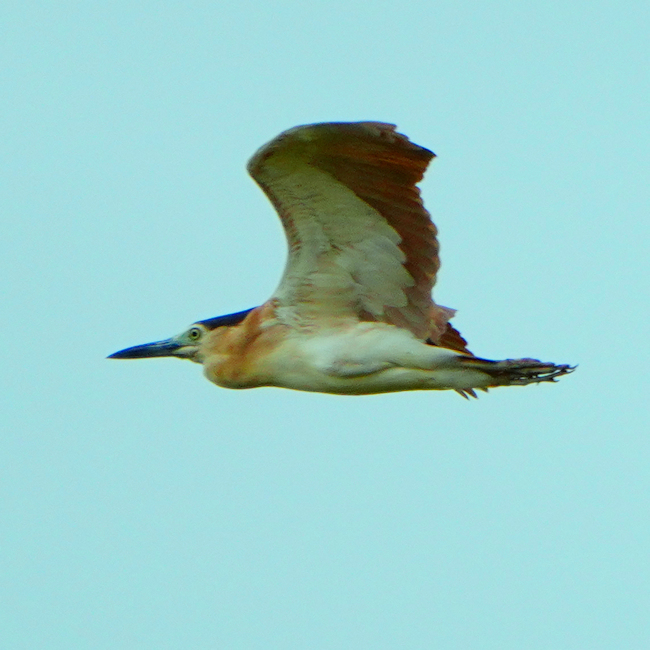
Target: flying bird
{"x":353,"y":313}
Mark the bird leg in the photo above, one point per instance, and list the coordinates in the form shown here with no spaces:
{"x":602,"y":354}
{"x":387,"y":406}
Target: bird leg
{"x":517,"y":372}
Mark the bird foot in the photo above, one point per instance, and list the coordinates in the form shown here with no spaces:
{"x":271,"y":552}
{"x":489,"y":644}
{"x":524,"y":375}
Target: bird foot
{"x":519,"y":372}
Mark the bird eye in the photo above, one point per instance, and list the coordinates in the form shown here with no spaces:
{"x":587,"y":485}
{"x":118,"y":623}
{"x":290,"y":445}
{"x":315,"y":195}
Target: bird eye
{"x":194,"y":334}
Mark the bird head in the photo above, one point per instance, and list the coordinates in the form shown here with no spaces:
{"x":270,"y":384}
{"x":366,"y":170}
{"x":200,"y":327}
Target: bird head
{"x":186,"y":345}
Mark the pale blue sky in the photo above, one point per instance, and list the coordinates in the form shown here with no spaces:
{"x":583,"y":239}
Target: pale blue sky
{"x":143,"y":507}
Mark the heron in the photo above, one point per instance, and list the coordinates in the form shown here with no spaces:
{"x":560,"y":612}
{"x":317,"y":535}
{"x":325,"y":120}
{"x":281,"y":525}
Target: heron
{"x":353,"y":313}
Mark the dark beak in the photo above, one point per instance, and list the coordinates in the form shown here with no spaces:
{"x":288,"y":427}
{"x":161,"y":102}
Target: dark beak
{"x":167,"y":348}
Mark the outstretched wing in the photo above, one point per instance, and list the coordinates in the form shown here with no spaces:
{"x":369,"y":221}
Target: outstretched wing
{"x":361,"y":244}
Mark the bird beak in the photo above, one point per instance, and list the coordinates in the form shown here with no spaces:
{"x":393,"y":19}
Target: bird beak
{"x":166,"y":348}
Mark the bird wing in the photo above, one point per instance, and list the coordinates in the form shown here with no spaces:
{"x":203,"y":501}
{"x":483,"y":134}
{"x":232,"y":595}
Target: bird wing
{"x":361,"y":244}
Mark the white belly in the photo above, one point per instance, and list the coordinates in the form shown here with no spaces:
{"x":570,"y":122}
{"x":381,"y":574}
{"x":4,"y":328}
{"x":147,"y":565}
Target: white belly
{"x":366,"y":358}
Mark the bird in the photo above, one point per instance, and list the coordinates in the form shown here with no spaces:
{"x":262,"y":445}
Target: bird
{"x":353,"y":313}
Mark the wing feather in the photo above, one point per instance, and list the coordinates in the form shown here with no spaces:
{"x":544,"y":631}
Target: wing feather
{"x":361,"y":244}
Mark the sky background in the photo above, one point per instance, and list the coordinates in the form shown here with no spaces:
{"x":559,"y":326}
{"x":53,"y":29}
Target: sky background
{"x":143,"y":507}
